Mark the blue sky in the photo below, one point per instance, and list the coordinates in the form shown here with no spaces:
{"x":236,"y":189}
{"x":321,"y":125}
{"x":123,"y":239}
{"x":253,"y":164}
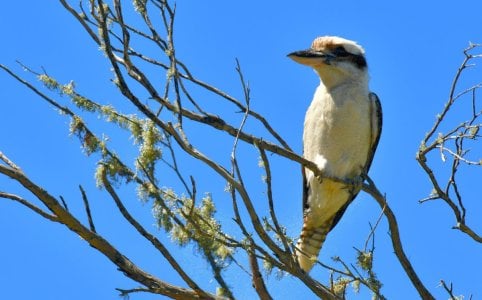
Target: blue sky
{"x":413,"y":50}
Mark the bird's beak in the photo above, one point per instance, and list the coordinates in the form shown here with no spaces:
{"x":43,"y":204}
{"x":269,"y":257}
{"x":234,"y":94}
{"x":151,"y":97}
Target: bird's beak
{"x":311,"y":57}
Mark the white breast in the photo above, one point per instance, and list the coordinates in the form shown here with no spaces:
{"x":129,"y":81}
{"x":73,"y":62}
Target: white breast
{"x":337,"y":130}
{"x":336,"y":137}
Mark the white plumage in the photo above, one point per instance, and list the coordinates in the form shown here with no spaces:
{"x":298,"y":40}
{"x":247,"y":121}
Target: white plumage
{"x":341,"y":132}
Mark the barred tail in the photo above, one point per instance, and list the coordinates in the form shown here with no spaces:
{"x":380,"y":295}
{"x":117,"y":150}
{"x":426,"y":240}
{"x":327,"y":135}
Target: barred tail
{"x":309,"y":245}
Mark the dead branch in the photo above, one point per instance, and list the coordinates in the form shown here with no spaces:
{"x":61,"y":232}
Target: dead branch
{"x":98,"y":242}
{"x":371,"y":189}
{"x":454,"y":145}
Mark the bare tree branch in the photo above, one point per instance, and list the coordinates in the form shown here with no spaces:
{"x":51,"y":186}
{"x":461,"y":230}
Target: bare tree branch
{"x":257,"y":279}
{"x":454,"y":143}
{"x":28,"y":204}
{"x":450,"y":291}
{"x":96,"y":241}
{"x":6,"y":160}
{"x":155,"y":242}
{"x":371,"y":189}
{"x":87,"y":209}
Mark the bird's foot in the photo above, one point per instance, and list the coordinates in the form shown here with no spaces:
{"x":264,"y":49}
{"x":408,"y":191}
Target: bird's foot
{"x":355,"y":183}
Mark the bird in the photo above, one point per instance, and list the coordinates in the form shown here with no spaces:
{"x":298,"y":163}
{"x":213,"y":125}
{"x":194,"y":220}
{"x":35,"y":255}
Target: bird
{"x":342,"y":128}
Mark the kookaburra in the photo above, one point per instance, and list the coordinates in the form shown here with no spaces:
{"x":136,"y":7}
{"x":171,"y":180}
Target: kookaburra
{"x":341,"y":132}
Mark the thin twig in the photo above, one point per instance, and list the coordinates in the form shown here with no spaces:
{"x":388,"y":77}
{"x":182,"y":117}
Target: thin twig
{"x":154,"y":241}
{"x":371,"y":189}
{"x":269,"y":193}
{"x":372,"y":230}
{"x":458,"y":136}
{"x":98,"y":242}
{"x":126,"y":293}
{"x":87,"y":208}
{"x":257,"y":278}
{"x":6,"y":160}
{"x":449,"y":290}
{"x":64,"y":203}
{"x":31,"y":206}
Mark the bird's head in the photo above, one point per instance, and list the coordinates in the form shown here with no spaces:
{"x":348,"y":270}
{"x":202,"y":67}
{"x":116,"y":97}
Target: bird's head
{"x":335,"y":59}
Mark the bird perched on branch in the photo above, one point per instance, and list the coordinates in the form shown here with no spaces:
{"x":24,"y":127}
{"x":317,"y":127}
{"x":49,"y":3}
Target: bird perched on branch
{"x":341,"y":132}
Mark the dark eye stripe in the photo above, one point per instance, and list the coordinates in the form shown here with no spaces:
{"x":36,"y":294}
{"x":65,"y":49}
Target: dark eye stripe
{"x":358,"y":59}
{"x":340,"y":51}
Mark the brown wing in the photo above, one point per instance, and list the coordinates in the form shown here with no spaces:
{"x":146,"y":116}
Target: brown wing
{"x":377,"y":122}
{"x":306,"y":189}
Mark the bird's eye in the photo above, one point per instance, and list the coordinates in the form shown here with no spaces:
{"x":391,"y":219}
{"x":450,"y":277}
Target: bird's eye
{"x":340,"y":51}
